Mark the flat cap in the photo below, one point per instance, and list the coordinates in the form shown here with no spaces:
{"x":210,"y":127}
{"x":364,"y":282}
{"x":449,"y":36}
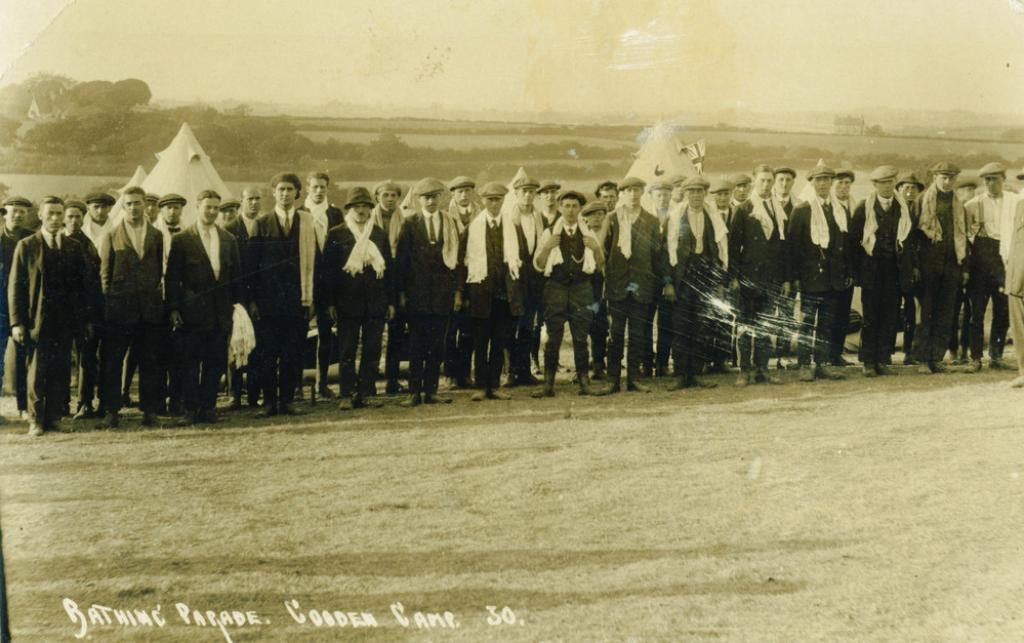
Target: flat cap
{"x":909,"y":177}
{"x":152,"y":198}
{"x":388,"y":185}
{"x":358,"y":195}
{"x":171,"y":199}
{"x":74,"y":203}
{"x":461,"y":182}
{"x":208,"y":194}
{"x":632,"y":182}
{"x":548,"y":186}
{"x":846,"y":173}
{"x":992,"y":169}
{"x":493,"y":190}
{"x":572,"y":194}
{"x":100,"y":197}
{"x":820,"y":170}
{"x":676,"y":179}
{"x":428,"y":186}
{"x":605,"y":184}
{"x":660,"y":184}
{"x":943,"y":167}
{"x":696,"y":183}
{"x":525,"y":182}
{"x":741,"y":179}
{"x":230,"y":204}
{"x":286,"y":177}
{"x":721,"y":185}
{"x":967,"y":180}
{"x":884,"y":173}
{"x":19,"y":201}
{"x":593,"y":208}
{"x":785,"y":170}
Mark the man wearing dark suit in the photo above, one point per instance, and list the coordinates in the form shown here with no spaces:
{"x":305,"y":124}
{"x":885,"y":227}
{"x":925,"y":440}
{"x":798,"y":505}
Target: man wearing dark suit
{"x":74,"y":215}
{"x":820,"y":269}
{"x":527,"y":331}
{"x":656,"y":360}
{"x":131,"y":275}
{"x":428,"y":248}
{"x":284,"y":255}
{"x":882,"y":266}
{"x":841,"y":189}
{"x":325,"y":216}
{"x":16,"y":211}
{"x":758,"y":267}
{"x":594,"y":215}
{"x":202,"y":286}
{"x":910,"y":187}
{"x":359,"y":293}
{"x":47,"y":301}
{"x":243,"y":229}
{"x":632,"y":245}
{"x":458,"y":350}
{"x":782,"y":193}
{"x":388,"y":216}
{"x":723,"y":351}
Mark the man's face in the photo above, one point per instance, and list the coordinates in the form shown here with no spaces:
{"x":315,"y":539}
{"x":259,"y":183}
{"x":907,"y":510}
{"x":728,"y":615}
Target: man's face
{"x":822,"y":186}
{"x":318,"y":190}
{"x":73,"y":218}
{"x":208,"y":208}
{"x":994,"y":184}
{"x":526,"y":196}
{"x":229,"y":215}
{"x":547,"y":198}
{"x":632,"y":196}
{"x":493,"y":204}
{"x":722,"y":199}
{"x":677,"y":193}
{"x":99,"y":212}
{"x":284,"y":194}
{"x":16,"y":215}
{"x":661,"y":198}
{"x":610,"y":196}
{"x":783,"y":184}
{"x":570,"y":209}
{"x":966,"y":192}
{"x":909,"y":191}
{"x":134,"y":207}
{"x":53,"y":217}
{"x":429,"y":202}
{"x":944,"y":182}
{"x":595,"y":220}
{"x":152,"y":211}
{"x":251,"y":204}
{"x":762,"y":184}
{"x":463,"y":196}
{"x":742,"y":191}
{"x":171,"y":213}
{"x":885,"y":189}
{"x":388,"y":199}
{"x":361,"y":212}
{"x":695,"y":198}
{"x":843,"y":188}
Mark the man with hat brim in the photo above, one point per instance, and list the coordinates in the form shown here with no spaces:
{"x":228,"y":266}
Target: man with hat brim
{"x":283,"y":289}
{"x":740,"y":189}
{"x":841,"y":195}
{"x":152,"y":207}
{"x":16,"y":212}
{"x":819,"y":267}
{"x":655,"y":361}
{"x":909,"y":187}
{"x":428,"y":253}
{"x":229,"y":211}
{"x":325,"y":217}
{"x":941,"y":242}
{"x":359,"y":296}
{"x":525,"y":346}
{"x":723,"y":329}
{"x":782,"y":193}
{"x":632,"y":248}
{"x":676,"y":183}
{"x":74,"y":216}
{"x":48,"y":305}
{"x":458,"y":353}
{"x":960,"y":331}
{"x":203,"y":283}
{"x":593,"y":215}
{"x":491,"y":256}
{"x":697,"y":251}
{"x":759,"y":277}
{"x":568,"y":256}
{"x":989,"y":232}
{"x":131,"y":275}
{"x":388,"y":217}
{"x":244,"y":229}
{"x":98,"y":221}
{"x":882,"y":264}
{"x":548,"y":193}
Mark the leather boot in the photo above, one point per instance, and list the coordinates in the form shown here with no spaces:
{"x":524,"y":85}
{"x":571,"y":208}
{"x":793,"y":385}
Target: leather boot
{"x":549,"y":384}
{"x":587,"y":389}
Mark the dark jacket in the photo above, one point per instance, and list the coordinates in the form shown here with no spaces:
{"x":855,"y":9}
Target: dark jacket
{"x":245,"y":254}
{"x":644,"y":265}
{"x":276,"y":283}
{"x":867,"y":270}
{"x":818,"y":269}
{"x":753,"y":258}
{"x":427,"y":282}
{"x":320,"y":297}
{"x":363,"y":295}
{"x":91,"y":279}
{"x":478,"y":296}
{"x":48,"y":299}
{"x":205,"y":302}
{"x":8,"y":242}
{"x":701,"y":271}
{"x":132,"y":284}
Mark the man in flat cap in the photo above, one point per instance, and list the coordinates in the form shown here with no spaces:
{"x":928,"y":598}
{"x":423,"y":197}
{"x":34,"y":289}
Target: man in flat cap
{"x":741,"y":184}
{"x":428,"y":249}
{"x":759,"y":277}
{"x":131,"y":275}
{"x":697,"y":251}
{"x":492,"y":255}
{"x":941,"y":242}
{"x":882,"y":265}
{"x":202,"y":285}
{"x":525,"y":344}
{"x":325,"y":217}
{"x":655,"y":362}
{"x":74,"y":216}
{"x":229,"y":212}
{"x":284,"y":255}
{"x":782,"y":193}
{"x":960,"y":331}
{"x":632,"y":246}
{"x":841,"y":196}
{"x":152,"y":207}
{"x":1014,"y":287}
{"x":569,"y":256}
{"x":244,"y":228}
{"x":593,"y":215}
{"x":98,"y":221}
{"x":989,"y":231}
{"x":360,"y":296}
{"x":723,"y":329}
{"x":909,"y":187}
{"x":819,"y":267}
{"x":548,"y":195}
{"x":678,"y":195}
{"x":48,"y":306}
{"x":458,"y":352}
{"x":13,"y":221}
{"x":388,"y":217}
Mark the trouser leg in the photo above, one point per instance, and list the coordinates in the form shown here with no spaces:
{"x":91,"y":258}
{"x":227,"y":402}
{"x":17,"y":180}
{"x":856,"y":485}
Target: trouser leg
{"x":348,"y":334}
{"x":325,"y":347}
{"x":1015,"y":312}
{"x":810,"y":308}
{"x":840,"y":323}
{"x":1000,"y":324}
{"x":438,"y":326}
{"x":369,"y":359}
{"x":639,"y":322}
{"x":481,"y":341}
{"x":616,"y":345}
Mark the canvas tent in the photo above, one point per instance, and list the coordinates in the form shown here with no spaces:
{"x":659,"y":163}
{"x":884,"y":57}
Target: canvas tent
{"x":661,"y":156}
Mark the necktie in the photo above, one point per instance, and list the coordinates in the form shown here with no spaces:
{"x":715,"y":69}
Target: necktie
{"x":771,"y":211}
{"x":433,"y":231}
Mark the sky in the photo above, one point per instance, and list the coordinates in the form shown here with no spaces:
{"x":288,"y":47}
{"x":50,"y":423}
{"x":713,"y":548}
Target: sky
{"x":579,"y":56}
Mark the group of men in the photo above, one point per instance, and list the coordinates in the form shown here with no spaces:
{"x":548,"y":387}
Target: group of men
{"x":725,"y":272}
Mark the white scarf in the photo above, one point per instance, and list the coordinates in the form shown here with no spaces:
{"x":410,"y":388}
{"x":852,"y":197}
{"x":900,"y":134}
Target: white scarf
{"x":320,"y":223}
{"x":765,"y":219}
{"x":697,"y":229}
{"x":307,"y":243}
{"x":555,"y":256}
{"x":94,"y":230}
{"x":625,"y":230}
{"x":871,"y":222}
{"x":365,"y":252}
{"x":455,"y":213}
{"x":819,"y":224}
{"x":476,"y":247}
{"x":449,"y":237}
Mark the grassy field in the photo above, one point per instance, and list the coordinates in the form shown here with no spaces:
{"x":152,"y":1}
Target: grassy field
{"x":876,"y":510}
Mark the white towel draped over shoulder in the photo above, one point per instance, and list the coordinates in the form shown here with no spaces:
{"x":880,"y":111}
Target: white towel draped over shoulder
{"x":476,"y":247}
{"x":365,"y":252}
{"x":555,"y":256}
{"x":871,"y":223}
{"x":243,"y":337}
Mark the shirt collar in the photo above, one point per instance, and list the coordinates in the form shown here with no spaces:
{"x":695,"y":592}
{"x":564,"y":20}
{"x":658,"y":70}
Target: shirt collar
{"x":52,"y":240}
{"x":281,"y":213}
